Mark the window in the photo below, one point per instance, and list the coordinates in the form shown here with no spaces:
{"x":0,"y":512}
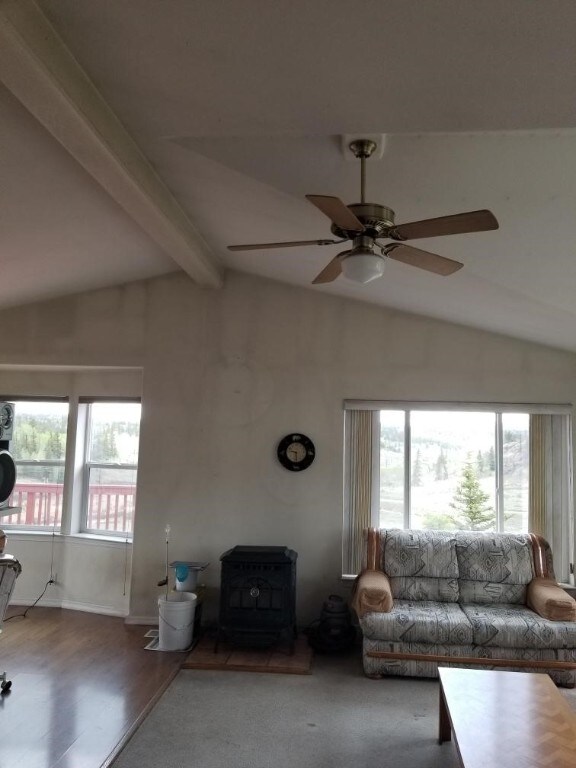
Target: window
{"x":84,"y":482}
{"x":453,"y":470}
{"x":458,"y":468}
{"x":111,"y":467}
{"x":39,"y":448}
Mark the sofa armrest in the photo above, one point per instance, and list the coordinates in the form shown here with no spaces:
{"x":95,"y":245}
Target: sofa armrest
{"x":550,"y":601}
{"x":372,"y":592}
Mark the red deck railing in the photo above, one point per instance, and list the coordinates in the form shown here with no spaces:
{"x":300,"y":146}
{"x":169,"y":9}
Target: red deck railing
{"x":110,"y":507}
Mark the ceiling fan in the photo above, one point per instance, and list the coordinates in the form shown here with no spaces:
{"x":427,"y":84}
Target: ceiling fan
{"x":366,"y":223}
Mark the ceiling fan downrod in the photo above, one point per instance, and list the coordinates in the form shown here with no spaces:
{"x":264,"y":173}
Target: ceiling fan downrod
{"x":362,"y":149}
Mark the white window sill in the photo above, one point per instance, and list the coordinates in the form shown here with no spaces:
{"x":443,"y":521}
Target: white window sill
{"x":123,"y":540}
{"x":88,"y":538}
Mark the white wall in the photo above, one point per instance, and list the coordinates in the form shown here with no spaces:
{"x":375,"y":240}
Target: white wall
{"x":227,"y":373}
{"x":90,"y":575}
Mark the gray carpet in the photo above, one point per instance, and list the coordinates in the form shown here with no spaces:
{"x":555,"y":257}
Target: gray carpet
{"x":333,"y":718}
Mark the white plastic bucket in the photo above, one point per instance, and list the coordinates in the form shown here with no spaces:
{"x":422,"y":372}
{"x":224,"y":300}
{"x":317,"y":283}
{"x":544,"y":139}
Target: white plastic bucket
{"x":176,"y":621}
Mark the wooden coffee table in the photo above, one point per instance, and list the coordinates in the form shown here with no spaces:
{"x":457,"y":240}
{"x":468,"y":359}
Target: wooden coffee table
{"x":506,"y":719}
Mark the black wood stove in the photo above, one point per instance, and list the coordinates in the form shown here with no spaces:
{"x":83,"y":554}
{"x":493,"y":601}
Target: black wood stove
{"x":258,"y":596}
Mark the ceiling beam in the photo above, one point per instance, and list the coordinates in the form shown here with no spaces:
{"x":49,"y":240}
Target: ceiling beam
{"x":44,"y":76}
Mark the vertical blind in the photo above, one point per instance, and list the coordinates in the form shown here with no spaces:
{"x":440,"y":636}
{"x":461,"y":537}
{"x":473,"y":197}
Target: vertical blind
{"x":550,"y":511}
{"x":359,"y":437}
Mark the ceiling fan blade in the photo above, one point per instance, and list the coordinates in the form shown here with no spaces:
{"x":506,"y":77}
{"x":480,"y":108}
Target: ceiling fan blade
{"x":292,"y":244}
{"x":459,"y":223}
{"x":337,"y":212}
{"x":331,"y":271}
{"x":416,"y":257}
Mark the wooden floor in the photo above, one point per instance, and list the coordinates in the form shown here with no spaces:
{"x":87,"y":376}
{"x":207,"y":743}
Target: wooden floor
{"x":81,"y":684}
{"x":277,"y":659}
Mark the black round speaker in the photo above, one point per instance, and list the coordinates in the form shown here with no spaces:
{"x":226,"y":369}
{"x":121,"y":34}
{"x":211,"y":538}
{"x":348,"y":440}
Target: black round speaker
{"x":7,"y":475}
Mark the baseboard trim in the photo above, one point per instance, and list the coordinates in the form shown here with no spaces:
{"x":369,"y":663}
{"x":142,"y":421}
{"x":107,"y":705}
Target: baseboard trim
{"x":106,"y":610}
{"x":144,"y":620}
{"x":72,"y":605}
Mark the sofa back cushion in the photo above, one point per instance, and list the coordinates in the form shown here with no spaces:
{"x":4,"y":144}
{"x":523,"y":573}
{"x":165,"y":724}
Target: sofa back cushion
{"x":494,"y":567}
{"x":421,"y":565}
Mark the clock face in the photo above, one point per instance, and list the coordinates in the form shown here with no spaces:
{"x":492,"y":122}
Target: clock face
{"x":296,"y":452}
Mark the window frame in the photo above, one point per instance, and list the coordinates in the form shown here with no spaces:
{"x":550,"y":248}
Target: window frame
{"x":498,"y":408}
{"x":16,"y":399}
{"x":408,"y":464}
{"x":38,"y":463}
{"x":88,"y":465}
{"x":75,"y":483}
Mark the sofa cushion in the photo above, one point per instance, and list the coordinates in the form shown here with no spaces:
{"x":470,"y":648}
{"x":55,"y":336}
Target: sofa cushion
{"x":491,"y":592}
{"x":414,"y":588}
{"x":491,"y":559}
{"x":421,"y":565}
{"x":549,"y":600}
{"x":516,"y":626}
{"x":420,"y":553}
{"x":422,"y":621}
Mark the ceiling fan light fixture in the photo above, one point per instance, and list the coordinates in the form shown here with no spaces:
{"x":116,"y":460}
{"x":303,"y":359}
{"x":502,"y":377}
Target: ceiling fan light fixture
{"x":362,"y":265}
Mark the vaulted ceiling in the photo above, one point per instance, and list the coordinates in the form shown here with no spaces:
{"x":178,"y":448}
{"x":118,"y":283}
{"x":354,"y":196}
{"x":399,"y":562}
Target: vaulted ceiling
{"x":144,"y":136}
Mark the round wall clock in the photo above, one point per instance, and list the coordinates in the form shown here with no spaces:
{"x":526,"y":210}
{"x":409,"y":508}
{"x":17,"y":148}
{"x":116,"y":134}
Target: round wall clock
{"x":296,"y":452}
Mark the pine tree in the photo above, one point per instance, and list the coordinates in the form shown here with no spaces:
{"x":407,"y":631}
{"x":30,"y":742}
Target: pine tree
{"x":110,"y":443}
{"x":491,"y":460}
{"x":54,"y":448}
{"x":480,"y":463}
{"x":473,"y":513}
{"x":33,"y":444}
{"x":417,"y":470}
{"x":26,"y":454}
{"x":441,"y":471}
{"x":104,"y":444}
{"x":17,"y":447}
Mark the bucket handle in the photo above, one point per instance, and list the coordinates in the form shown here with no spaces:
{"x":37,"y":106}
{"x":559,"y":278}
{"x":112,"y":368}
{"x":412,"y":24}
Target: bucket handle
{"x":178,"y":629}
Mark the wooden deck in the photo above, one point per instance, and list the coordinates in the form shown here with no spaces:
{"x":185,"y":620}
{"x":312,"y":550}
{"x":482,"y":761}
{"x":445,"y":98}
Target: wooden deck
{"x":81,"y":684}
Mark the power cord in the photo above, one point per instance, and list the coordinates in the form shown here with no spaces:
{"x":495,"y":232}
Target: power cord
{"x":51,"y":580}
{"x":23,"y":615}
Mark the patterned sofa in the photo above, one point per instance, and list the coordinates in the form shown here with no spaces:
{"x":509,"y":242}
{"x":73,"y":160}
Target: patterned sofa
{"x":468,"y":594}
